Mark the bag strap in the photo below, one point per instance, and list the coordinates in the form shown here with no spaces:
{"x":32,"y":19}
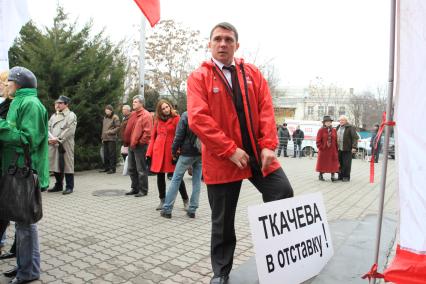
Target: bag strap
{"x":27,"y":156}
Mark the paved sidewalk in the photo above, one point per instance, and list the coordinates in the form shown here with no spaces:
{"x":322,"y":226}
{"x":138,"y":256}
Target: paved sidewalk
{"x":122,"y":239}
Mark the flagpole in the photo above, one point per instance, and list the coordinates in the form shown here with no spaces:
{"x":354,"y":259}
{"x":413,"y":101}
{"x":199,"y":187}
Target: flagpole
{"x":142,"y":57}
{"x":387,"y":132}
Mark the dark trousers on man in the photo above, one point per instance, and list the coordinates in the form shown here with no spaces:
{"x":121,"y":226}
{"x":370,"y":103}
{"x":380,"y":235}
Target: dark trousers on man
{"x":110,"y":155}
{"x":137,"y":168}
{"x":345,"y":161}
{"x":297,"y":151}
{"x":282,"y":146}
{"x":69,"y":181}
{"x":223,"y":199}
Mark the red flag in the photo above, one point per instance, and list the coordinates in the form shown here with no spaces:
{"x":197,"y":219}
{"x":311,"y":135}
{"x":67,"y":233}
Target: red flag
{"x":151,"y":10}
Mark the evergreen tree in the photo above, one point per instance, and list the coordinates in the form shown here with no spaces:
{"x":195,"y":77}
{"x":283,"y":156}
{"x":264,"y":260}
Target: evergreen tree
{"x":69,"y":61}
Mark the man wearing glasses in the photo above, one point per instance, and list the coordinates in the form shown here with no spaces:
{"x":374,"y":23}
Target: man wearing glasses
{"x":62,"y":125}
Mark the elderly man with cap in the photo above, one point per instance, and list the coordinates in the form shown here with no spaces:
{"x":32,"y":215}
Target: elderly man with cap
{"x":25,"y":124}
{"x":62,"y":126}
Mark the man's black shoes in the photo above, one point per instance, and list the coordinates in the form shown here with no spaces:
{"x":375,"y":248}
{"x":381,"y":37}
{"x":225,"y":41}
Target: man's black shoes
{"x":104,"y":170}
{"x":219,"y":279}
{"x":140,"y":194}
{"x":7,"y":255}
{"x":55,"y":189}
{"x":165,"y":215}
{"x":11,"y":273}
{"x":67,"y":191}
{"x":111,"y":172}
{"x":132,"y":192}
{"x":190,"y":214}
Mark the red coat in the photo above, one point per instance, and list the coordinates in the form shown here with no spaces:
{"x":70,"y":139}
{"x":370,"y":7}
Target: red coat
{"x":160,"y":145}
{"x":328,"y":159}
{"x":213,"y":118}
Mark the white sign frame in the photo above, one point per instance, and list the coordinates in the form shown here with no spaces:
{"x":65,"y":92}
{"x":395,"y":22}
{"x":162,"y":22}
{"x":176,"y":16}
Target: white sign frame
{"x":291,"y":238}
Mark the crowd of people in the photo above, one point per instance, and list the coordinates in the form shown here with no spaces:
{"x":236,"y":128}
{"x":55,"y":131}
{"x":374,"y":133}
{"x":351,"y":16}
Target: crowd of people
{"x":230,"y":113}
{"x":336,"y":146}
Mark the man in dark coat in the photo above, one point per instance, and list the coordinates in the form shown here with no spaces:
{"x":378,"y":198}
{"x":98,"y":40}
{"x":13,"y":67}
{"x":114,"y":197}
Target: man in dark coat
{"x":284,"y":137}
{"x":347,"y":141}
{"x":375,"y":149}
{"x":298,"y":137}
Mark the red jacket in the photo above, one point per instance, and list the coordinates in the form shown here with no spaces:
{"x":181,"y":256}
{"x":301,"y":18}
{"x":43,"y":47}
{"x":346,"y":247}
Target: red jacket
{"x":160,"y":146}
{"x":213,"y":118}
{"x":328,"y":159}
{"x":138,"y":128}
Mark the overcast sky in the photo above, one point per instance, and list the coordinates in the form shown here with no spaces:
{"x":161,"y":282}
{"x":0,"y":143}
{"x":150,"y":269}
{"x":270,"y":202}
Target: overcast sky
{"x":343,"y":41}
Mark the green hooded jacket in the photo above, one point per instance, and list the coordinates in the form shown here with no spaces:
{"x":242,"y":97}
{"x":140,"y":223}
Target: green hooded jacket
{"x":26,"y":123}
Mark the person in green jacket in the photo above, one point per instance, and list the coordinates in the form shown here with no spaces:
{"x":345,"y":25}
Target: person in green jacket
{"x":26,"y":123}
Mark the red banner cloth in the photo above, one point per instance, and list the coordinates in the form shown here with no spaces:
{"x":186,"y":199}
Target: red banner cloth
{"x":377,"y":139}
{"x":407,"y":267}
{"x":372,"y":273}
{"x":151,"y":10}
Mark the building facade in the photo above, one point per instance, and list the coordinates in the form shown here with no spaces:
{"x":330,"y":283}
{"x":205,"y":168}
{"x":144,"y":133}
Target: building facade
{"x":312,"y":103}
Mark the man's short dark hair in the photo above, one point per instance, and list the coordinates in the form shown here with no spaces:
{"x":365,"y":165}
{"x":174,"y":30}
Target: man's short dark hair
{"x":226,"y":26}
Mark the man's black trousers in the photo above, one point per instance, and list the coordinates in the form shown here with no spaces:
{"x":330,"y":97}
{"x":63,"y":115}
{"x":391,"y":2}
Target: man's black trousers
{"x":110,"y":155}
{"x":345,"y":161}
{"x":223,"y":199}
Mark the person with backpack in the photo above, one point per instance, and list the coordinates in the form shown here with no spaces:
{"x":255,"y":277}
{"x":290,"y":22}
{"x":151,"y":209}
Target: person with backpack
{"x":187,"y":143}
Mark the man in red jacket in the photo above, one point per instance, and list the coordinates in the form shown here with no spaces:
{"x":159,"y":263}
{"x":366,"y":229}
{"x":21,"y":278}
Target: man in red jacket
{"x":136,"y":137}
{"x":230,"y":110}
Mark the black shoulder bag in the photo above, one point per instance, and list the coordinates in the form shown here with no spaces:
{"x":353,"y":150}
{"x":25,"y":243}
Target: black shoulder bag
{"x":20,"y":195}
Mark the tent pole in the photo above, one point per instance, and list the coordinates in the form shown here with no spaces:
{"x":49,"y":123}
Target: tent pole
{"x":387,"y":131}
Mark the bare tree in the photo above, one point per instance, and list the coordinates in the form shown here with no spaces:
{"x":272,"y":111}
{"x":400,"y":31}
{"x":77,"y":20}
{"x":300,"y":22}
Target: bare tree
{"x":328,"y":96}
{"x":368,"y":106}
{"x":268,"y":69}
{"x":170,"y":51}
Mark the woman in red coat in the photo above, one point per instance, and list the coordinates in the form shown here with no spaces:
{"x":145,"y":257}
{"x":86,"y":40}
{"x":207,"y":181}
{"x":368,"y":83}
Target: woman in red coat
{"x":160,"y":148}
{"x":328,"y":160}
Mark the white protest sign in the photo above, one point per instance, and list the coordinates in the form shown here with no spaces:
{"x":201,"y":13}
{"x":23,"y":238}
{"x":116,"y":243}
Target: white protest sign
{"x":291,"y":238}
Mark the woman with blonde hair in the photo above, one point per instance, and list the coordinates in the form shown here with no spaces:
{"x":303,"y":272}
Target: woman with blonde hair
{"x":159,"y":153}
{"x":5,"y":98}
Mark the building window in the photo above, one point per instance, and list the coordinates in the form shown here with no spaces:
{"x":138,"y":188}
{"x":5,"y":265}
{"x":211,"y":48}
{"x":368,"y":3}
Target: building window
{"x":321,"y":111}
{"x":310,"y":110}
{"x":331,"y":110}
{"x":342,"y":110}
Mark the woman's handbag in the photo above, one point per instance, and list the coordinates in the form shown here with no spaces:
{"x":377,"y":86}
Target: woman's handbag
{"x":20,"y":195}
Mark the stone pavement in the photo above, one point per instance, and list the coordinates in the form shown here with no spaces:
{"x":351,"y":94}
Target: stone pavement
{"x":109,"y":238}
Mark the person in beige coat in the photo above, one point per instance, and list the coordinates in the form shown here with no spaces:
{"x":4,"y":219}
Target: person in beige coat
{"x":62,"y":126}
